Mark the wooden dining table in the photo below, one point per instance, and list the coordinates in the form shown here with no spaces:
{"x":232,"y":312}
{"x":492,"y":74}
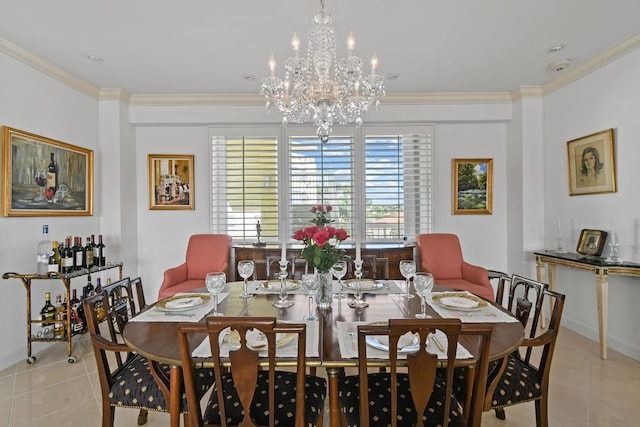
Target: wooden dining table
{"x":158,"y":340}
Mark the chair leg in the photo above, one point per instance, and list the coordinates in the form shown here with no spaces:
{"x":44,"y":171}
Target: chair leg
{"x":542,"y":414}
{"x":500,"y":413}
{"x":108,"y":414}
{"x":142,"y":417}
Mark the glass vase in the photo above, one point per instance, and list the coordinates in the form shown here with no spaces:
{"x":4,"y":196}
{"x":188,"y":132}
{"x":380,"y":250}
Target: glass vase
{"x":325,"y":289}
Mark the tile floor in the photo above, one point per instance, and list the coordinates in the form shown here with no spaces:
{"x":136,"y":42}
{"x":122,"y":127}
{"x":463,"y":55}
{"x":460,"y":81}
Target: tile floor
{"x":585,"y":390}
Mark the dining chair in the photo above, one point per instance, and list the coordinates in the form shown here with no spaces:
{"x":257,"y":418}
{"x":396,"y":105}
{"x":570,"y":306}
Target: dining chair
{"x":416,"y":387}
{"x":127,"y":379}
{"x":373,"y":267}
{"x":140,"y":302}
{"x":252,"y":390}
{"x":520,"y":376}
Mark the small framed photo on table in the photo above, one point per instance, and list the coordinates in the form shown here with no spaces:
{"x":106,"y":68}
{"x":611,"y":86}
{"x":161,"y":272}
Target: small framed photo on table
{"x":171,"y":181}
{"x":591,"y":242}
{"x":592,"y":166}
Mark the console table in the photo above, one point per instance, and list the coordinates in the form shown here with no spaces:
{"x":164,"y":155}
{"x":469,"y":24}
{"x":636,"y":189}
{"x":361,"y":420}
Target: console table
{"x":394,"y":253}
{"x":599,"y":267}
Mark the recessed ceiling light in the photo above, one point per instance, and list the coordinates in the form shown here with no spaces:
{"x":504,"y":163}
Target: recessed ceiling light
{"x":392,"y":76}
{"x":94,"y":58}
{"x":249,"y":77}
{"x":560,"y":65}
{"x":556,"y":48}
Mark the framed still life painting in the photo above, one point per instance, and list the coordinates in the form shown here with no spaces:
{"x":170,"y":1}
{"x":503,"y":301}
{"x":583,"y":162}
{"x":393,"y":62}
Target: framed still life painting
{"x":171,"y":181}
{"x":44,"y":177}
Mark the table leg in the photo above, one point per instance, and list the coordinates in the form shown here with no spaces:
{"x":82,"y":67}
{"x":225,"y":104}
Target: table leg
{"x":334,"y":405}
{"x":175,"y":392}
{"x":540,"y":276}
{"x":602,"y":295}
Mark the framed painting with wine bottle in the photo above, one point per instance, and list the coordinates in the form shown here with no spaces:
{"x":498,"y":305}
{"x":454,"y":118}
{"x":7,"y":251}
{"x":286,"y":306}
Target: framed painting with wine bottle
{"x":45,"y":177}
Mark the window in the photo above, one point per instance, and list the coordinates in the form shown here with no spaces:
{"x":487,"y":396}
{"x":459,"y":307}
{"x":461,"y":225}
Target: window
{"x":378,"y":179}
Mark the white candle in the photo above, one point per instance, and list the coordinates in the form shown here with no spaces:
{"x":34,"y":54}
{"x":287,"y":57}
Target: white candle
{"x":558,"y":228}
{"x":358,"y":251}
{"x":283,"y":255}
{"x":613,"y":237}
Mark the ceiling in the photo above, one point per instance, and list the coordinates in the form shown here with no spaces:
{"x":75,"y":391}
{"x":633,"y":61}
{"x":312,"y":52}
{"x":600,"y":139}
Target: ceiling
{"x":209,"y":46}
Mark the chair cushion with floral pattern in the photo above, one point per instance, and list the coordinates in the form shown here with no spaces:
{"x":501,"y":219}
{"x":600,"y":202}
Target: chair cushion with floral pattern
{"x":134,"y":386}
{"x":380,"y":399}
{"x":519,"y":383}
{"x":285,"y":402}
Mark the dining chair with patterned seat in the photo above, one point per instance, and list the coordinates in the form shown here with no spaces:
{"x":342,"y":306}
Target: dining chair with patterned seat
{"x":127,"y":379}
{"x":396,"y":397}
{"x":253,"y":391}
{"x":520,"y":376}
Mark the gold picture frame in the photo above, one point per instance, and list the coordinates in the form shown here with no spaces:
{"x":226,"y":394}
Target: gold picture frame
{"x":592,"y":167}
{"x":472,"y":184}
{"x":45,"y":177}
{"x":591,"y":242}
{"x":171,"y":181}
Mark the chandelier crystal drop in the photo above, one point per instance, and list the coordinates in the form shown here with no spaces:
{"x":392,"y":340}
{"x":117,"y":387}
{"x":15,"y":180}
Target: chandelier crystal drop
{"x":319,"y":88}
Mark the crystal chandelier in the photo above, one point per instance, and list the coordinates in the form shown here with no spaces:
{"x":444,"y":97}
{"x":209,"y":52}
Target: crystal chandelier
{"x":311,"y":91}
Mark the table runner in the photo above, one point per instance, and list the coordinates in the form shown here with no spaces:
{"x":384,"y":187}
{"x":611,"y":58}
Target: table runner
{"x":193,"y":315}
{"x":348,"y":341}
{"x":488,"y":314}
{"x":289,"y":349}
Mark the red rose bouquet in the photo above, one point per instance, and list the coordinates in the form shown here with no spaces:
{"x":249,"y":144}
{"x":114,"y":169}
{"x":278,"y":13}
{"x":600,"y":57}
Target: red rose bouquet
{"x":321,"y":240}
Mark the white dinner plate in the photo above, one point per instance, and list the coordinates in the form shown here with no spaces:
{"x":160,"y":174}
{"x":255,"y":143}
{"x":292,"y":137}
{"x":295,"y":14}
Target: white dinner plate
{"x":274,"y":284}
{"x":407,"y":343}
{"x":256,"y":340}
{"x":459,"y":301}
{"x":183,"y":302}
{"x":365,"y":284}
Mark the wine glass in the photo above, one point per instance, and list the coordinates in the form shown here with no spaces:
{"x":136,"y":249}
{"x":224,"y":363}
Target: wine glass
{"x":215,"y":284}
{"x":339,"y":270}
{"x":245,"y":270}
{"x":408,"y":270}
{"x":310,"y":285}
{"x":423,"y":283}
{"x":41,"y":181}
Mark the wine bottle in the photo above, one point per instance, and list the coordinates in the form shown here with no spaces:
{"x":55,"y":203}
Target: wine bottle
{"x":48,"y":312}
{"x":99,"y":253}
{"x":52,"y":175}
{"x":67,"y":258}
{"x":54,"y":258}
{"x":78,"y":252}
{"x":60,"y":328}
{"x":77,"y":323}
{"x":88,"y":249}
{"x":89,"y":287}
{"x":98,"y":289}
{"x":44,"y":251}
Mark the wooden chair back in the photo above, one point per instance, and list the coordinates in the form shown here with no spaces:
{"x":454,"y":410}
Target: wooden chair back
{"x":422,"y":365}
{"x":244,"y":363}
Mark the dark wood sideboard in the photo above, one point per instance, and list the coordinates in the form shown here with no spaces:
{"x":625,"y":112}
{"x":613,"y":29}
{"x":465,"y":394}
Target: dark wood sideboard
{"x":394,"y":253}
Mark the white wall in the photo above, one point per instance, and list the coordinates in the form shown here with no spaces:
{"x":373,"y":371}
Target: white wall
{"x":33,"y":102}
{"x":607,"y":98}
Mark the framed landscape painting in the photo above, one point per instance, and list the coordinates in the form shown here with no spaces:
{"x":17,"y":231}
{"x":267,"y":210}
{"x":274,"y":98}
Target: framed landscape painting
{"x":171,"y":181}
{"x":44,"y":177}
{"x":472,"y":181}
{"x":592,"y":167}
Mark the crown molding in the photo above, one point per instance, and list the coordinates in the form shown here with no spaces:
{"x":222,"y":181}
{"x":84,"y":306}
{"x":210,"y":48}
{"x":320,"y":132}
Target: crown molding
{"x":572,"y":74}
{"x":115,"y":94}
{"x":49,"y":69}
{"x":526,"y":92}
{"x":198,"y":99}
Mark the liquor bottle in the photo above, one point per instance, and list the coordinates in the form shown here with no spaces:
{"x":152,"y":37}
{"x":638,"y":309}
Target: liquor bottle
{"x":78,"y":251}
{"x":88,"y":249}
{"x":89,"y":287}
{"x":67,"y":258}
{"x":60,"y":327}
{"x":99,"y":253}
{"x":77,"y":323}
{"x":44,"y":251}
{"x":48,"y":312}
{"x":52,"y":176}
{"x":98,"y":289}
{"x":54,"y":258}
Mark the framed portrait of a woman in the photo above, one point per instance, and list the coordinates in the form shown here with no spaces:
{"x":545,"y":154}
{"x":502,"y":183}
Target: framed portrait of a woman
{"x":592,"y":166}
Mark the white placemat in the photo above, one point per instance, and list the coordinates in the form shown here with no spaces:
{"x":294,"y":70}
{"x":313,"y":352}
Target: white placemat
{"x":257,"y":288}
{"x":488,"y":314}
{"x":388,"y":287}
{"x":289,"y":349}
{"x":194,"y":315}
{"x":348,"y":341}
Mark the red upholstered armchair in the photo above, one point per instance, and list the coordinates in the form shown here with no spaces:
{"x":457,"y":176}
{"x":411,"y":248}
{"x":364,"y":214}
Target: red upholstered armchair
{"x":441,"y":255}
{"x":205,"y":253}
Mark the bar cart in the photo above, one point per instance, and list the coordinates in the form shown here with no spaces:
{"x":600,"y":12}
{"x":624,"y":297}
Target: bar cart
{"x":66,"y":280}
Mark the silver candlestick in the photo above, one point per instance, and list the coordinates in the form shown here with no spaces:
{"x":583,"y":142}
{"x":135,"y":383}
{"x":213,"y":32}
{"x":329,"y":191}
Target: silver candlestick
{"x":358,"y":302}
{"x":283,"y":302}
